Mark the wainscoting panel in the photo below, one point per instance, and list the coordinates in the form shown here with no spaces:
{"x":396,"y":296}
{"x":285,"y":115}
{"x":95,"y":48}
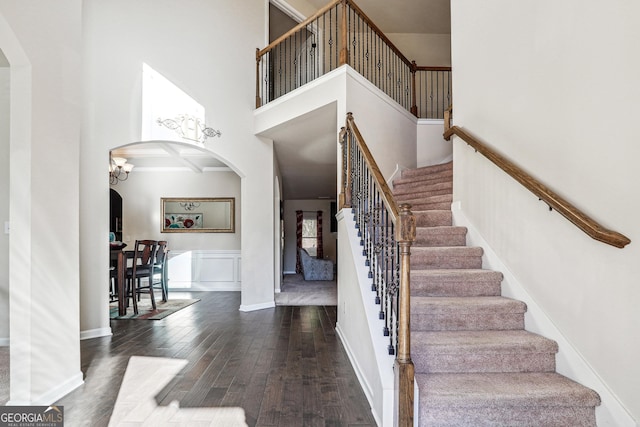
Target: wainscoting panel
{"x":204,"y":270}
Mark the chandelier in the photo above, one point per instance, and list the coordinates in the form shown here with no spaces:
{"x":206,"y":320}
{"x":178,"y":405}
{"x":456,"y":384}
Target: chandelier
{"x":118,"y":169}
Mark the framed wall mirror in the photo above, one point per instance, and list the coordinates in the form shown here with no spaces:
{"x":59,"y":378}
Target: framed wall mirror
{"x":197,"y":215}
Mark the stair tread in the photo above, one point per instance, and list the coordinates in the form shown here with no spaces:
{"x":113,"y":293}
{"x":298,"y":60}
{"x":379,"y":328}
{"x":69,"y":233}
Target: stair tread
{"x":503,"y":389}
{"x":427,"y":169}
{"x":448,"y":250}
{"x":454,"y":342}
{"x":489,"y":304}
{"x":424,"y":179}
{"x":477,"y":274}
{"x":408,"y":189}
{"x":442,"y":229}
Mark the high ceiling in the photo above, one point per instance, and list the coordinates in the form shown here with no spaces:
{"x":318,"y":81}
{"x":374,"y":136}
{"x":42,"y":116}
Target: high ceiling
{"x":306,"y":147}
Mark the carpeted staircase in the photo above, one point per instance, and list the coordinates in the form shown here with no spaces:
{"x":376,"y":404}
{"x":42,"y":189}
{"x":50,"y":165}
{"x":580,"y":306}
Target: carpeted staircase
{"x":475,"y":364}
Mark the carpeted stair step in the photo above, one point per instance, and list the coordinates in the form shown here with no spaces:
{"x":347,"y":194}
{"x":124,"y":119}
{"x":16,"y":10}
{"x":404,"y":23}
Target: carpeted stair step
{"x":443,"y":257}
{"x":403,"y":185}
{"x":422,"y":193}
{"x":433,"y":218}
{"x":475,"y":363}
{"x":482,"y":351}
{"x":466,"y":313}
{"x":440,"y":236}
{"x":455,"y":283}
{"x":427,"y":170}
{"x":417,"y":188}
{"x":437,"y":202}
{"x":509,"y":399}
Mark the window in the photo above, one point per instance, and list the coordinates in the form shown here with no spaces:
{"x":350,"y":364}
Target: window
{"x":310,"y":234}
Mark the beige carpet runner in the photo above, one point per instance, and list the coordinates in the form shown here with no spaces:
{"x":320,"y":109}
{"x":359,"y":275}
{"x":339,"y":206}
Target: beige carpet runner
{"x":475,"y":364}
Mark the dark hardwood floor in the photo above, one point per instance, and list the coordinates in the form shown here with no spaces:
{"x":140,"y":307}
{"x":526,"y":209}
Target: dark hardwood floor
{"x":283,"y":366}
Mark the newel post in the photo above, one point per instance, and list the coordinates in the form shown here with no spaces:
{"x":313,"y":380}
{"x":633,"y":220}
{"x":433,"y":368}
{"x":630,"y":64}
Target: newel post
{"x":344,"y":199}
{"x":414,"y":104}
{"x":447,"y":121}
{"x":404,"y":370}
{"x":258,"y":101}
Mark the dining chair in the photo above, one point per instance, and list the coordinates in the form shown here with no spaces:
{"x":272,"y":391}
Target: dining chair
{"x":160,"y":269}
{"x":144,"y":256}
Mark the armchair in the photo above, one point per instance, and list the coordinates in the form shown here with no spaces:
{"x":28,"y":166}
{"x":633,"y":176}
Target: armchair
{"x":314,"y":268}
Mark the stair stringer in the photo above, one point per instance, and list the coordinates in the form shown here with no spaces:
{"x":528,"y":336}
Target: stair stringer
{"x":358,"y":325}
{"x":569,"y":362}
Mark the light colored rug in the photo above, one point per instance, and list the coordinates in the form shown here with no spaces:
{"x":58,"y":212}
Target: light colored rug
{"x":297,"y":291}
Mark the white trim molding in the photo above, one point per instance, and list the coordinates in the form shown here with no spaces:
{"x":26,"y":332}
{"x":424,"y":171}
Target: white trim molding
{"x":95,"y":333}
{"x":204,"y":270}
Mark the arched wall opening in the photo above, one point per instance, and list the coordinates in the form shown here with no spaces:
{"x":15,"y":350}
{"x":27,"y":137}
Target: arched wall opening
{"x":198,"y":261}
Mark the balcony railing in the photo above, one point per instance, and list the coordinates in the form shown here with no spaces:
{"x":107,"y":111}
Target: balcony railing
{"x":340,"y":33}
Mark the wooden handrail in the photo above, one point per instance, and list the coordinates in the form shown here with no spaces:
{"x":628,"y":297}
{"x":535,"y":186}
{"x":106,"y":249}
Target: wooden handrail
{"x":297,"y":28}
{"x":379,"y":32}
{"x":553,"y":200}
{"x":375,"y":170}
{"x":431,"y":68}
{"x":321,"y":12}
{"x":343,"y":17}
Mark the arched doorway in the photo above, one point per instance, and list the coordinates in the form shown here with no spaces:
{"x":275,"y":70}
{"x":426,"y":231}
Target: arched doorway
{"x":198,"y":261}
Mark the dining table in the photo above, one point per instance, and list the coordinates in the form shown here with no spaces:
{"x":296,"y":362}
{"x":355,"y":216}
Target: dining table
{"x":119,"y":261}
{"x":121,"y":279}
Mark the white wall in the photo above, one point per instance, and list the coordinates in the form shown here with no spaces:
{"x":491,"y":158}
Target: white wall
{"x":431,"y":147}
{"x":360,"y":328}
{"x":388,"y":129}
{"x":45,"y":106}
{"x":4,"y":204}
{"x":141,"y":209}
{"x":432,"y":50}
{"x":197,"y":261}
{"x":190,"y":45}
{"x":328,"y":238}
{"x":541,"y":85}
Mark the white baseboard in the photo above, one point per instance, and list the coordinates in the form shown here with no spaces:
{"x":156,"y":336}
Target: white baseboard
{"x":361,"y":377}
{"x":254,"y":307}
{"x":205,"y":286}
{"x":570,"y":362}
{"x":95,"y":333}
{"x":54,"y":394}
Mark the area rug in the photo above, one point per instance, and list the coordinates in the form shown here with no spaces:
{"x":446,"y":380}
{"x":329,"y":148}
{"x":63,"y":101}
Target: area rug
{"x":145,"y":312}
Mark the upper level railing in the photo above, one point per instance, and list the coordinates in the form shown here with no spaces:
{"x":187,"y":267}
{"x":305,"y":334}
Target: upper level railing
{"x":553,"y":200}
{"x":386,"y":232}
{"x":340,"y":33}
